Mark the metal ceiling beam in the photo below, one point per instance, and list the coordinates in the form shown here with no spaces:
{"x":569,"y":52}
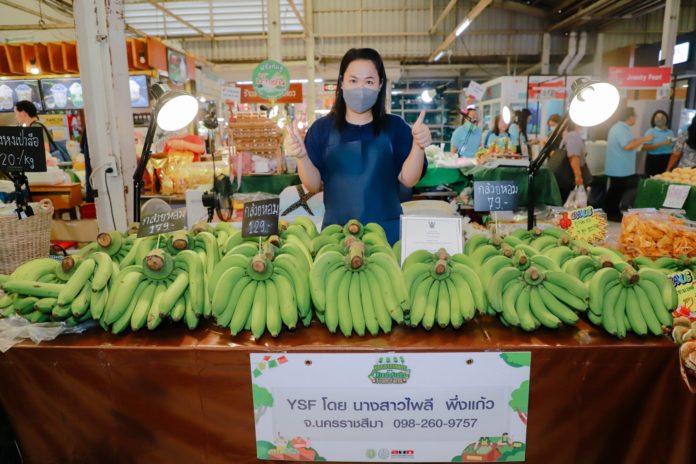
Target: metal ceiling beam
{"x":23,"y":8}
{"x":34,"y":27}
{"x":178,"y":18}
{"x":442,"y":16}
{"x":571,"y":21}
{"x":297,"y":13}
{"x":520,"y":8}
{"x":471,"y":15}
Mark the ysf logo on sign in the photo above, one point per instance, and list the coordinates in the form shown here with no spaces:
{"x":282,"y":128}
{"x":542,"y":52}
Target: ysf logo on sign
{"x":390,"y":370}
{"x":431,"y":224}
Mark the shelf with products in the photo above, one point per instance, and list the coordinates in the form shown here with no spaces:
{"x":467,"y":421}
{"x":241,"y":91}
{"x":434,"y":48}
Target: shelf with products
{"x":441,"y":114}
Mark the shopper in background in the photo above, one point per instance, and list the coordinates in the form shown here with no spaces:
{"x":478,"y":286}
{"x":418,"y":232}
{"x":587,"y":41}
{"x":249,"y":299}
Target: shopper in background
{"x":684,"y":155}
{"x":661,"y":146}
{"x":576,"y":152}
{"x":518,"y":132}
{"x":359,"y":152}
{"x":466,"y":139}
{"x":620,"y":164}
{"x":498,"y":134}
{"x":27,"y":115}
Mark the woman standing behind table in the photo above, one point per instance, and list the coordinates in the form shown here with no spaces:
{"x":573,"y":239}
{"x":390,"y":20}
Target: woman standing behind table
{"x":498,"y":134}
{"x":661,"y":146}
{"x":358,"y":152}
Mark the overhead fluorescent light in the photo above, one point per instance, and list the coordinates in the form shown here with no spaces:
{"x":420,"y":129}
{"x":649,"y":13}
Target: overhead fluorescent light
{"x":462,"y":27}
{"x":439,"y":55}
{"x":318,"y":80}
{"x":244,"y":82}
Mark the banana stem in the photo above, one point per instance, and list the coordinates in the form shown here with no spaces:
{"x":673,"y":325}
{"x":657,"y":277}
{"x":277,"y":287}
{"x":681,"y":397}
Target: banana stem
{"x":104,"y":239}
{"x":564,"y":240}
{"x":268,"y":250}
{"x":606,"y":261}
{"x":356,"y":255}
{"x":508,"y":252}
{"x":522,"y":258}
{"x":442,"y":254}
{"x":440,"y":267}
{"x":154,"y":260}
{"x":198,"y":228}
{"x":274,"y":239}
{"x":496,"y":241}
{"x":258,"y":264}
{"x":629,"y":276}
{"x":354,"y":229}
{"x":68,"y":263}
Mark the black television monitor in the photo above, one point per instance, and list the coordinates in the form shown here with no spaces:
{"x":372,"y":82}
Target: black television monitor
{"x":138,"y":91}
{"x":15,"y":90}
{"x":62,"y":94}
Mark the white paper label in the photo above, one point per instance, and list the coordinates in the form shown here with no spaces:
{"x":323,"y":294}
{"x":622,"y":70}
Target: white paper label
{"x":676,"y":196}
{"x":430,"y":234}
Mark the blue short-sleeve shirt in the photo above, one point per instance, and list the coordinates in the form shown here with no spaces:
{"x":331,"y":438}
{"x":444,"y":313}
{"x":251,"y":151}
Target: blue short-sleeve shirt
{"x":620,"y":162}
{"x":660,"y":136}
{"x":466,"y":139}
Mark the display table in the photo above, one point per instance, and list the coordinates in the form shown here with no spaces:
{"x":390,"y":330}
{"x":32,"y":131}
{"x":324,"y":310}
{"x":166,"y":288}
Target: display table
{"x":652,"y":192}
{"x":547,"y":192}
{"x":65,"y":197}
{"x":179,"y":396}
{"x":269,"y":184}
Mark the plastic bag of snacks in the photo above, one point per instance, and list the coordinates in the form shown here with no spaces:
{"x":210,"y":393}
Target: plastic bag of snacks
{"x":656,"y":234}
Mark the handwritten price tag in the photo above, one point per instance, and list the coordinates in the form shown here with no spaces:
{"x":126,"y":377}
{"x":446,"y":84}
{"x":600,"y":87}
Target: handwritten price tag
{"x":261,"y":218}
{"x":499,"y":195}
{"x":162,"y":223}
{"x":22,"y":149}
{"x":584,"y":224}
{"x":676,"y":196}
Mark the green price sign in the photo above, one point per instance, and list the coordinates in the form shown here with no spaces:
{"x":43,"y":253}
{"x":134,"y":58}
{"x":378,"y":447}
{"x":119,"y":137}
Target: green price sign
{"x":271,"y":80}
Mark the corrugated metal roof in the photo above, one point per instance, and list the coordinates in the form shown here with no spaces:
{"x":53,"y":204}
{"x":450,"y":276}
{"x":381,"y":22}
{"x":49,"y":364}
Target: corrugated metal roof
{"x":228,"y":17}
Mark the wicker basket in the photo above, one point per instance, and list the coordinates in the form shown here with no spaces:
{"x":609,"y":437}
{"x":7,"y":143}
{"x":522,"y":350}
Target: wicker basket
{"x":22,"y":241}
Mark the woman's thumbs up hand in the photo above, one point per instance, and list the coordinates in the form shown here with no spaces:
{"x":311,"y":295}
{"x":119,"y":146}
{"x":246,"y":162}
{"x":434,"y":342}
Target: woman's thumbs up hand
{"x":294,"y":146}
{"x":421,"y":132}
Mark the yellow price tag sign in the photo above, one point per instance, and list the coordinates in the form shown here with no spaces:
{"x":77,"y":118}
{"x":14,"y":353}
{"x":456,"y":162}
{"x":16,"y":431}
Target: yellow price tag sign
{"x":584,"y":224}
{"x":685,"y":284}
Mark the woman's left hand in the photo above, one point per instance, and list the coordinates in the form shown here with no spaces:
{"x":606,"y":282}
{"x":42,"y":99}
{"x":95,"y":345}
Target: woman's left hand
{"x":421,"y":132}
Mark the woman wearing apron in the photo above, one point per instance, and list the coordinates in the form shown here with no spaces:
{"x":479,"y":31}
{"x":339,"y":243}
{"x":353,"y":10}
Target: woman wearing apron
{"x":359,"y":153}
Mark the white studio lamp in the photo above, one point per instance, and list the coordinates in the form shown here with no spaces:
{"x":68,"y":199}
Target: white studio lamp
{"x":593,"y":103}
{"x":173,"y":110}
{"x":507,"y":114}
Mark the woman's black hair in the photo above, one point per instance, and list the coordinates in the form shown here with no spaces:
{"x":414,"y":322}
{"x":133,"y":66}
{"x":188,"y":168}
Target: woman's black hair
{"x":522,"y":117}
{"x":652,"y":120}
{"x":28,"y":107}
{"x":691,"y":137}
{"x":379,"y":111}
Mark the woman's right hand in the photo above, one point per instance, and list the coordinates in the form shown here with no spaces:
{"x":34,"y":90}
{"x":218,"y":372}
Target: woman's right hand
{"x":294,"y":145}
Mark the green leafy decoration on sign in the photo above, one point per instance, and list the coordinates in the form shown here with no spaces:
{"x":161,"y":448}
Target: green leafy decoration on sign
{"x":262,"y":401}
{"x":517,"y":358}
{"x":520,"y":401}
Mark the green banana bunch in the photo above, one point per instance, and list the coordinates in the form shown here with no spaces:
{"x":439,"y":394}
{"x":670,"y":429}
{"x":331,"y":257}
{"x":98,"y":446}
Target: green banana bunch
{"x":143,"y":294}
{"x":358,"y":292}
{"x":668,"y":265}
{"x":443,"y":291}
{"x":478,"y":241}
{"x":534,"y":297}
{"x":623,"y":299}
{"x":524,"y":235}
{"x":260,"y":293}
{"x":584,"y":267}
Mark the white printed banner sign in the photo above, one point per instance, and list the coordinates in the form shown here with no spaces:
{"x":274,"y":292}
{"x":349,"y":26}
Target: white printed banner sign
{"x":374,"y":407}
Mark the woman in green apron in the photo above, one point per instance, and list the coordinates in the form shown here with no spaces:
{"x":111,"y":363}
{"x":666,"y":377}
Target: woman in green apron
{"x":360,"y":154}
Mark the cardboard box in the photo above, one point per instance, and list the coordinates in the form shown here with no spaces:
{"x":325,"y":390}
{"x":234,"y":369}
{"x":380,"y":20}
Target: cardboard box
{"x":85,"y":230}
